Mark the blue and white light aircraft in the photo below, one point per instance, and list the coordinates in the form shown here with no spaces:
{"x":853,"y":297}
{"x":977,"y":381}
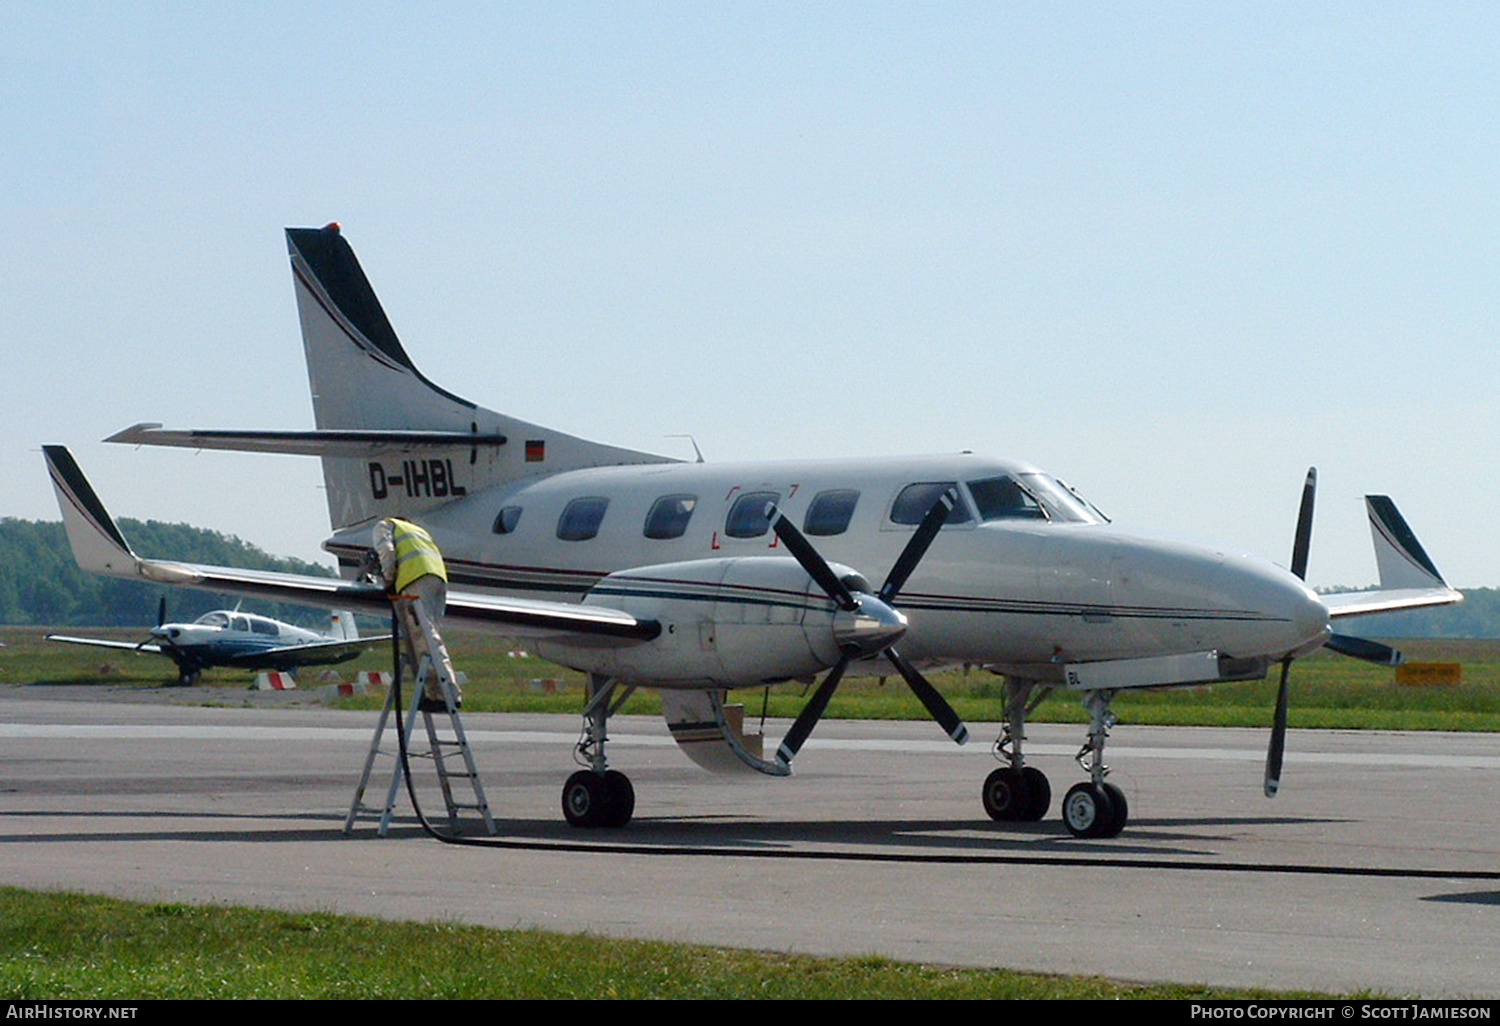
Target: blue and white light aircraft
{"x":699,"y":578}
{"x":229,"y":637}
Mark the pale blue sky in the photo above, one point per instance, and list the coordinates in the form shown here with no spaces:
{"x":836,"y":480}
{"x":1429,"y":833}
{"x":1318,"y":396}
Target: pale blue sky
{"x":1174,"y":253}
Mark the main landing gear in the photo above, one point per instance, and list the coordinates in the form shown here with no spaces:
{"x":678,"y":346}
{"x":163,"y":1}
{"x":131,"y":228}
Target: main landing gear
{"x":598,"y":796}
{"x":1020,"y":793}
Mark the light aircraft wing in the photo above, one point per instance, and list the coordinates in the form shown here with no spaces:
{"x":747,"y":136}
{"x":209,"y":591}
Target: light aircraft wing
{"x":99,"y":547}
{"x":106,"y":643}
{"x":1408,"y":577}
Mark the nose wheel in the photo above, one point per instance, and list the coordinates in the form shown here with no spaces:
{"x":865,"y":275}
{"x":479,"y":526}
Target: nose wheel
{"x":1095,"y":810}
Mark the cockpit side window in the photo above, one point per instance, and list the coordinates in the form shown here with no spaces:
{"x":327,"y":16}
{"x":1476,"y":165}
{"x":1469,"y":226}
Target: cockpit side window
{"x":669,"y":516}
{"x":1001,"y":498}
{"x":260,"y":625}
{"x":581,"y":518}
{"x":238,"y":623}
{"x":507,"y":519}
{"x":747,"y":517}
{"x":916,"y":499}
{"x":214,"y":619}
{"x":830,"y":512}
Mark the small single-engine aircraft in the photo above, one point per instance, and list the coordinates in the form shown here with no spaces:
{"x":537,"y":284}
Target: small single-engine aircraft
{"x":696,"y":578}
{"x":228,"y":637}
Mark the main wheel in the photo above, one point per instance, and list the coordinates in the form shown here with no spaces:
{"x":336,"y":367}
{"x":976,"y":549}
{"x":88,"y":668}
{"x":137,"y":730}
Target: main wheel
{"x":1122,"y":810}
{"x":1007,"y":794}
{"x":1041,"y":794}
{"x":586,"y":799}
{"x":1088,"y":811}
{"x":621,"y":799}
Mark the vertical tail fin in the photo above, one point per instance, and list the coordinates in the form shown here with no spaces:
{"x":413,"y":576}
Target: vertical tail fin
{"x":362,"y":378}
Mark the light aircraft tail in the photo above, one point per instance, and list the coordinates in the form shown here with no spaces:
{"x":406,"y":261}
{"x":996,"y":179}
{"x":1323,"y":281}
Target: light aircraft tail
{"x":392,"y":442}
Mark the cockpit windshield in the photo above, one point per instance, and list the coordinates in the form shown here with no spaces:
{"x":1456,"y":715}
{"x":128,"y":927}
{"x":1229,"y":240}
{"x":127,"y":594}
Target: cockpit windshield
{"x":1061,"y":501}
{"x":1033,"y":496}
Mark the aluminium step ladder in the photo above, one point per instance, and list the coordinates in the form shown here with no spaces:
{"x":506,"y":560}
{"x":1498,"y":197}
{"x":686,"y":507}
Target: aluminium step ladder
{"x":434,"y":689}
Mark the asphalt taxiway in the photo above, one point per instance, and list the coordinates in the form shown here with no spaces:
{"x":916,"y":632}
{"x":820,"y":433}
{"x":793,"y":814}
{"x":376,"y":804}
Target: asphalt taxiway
{"x":1377,"y":868}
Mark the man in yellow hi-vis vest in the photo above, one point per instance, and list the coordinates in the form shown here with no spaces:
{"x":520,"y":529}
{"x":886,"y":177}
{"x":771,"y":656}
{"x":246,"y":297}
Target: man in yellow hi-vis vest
{"x":414,"y":572}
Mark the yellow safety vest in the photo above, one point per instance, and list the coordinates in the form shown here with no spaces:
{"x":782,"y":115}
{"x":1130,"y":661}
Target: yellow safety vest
{"x":417,"y":555}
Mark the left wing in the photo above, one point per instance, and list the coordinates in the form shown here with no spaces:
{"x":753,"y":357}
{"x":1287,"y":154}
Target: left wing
{"x":106,"y":643}
{"x":1408,"y":578}
{"x":100,"y":548}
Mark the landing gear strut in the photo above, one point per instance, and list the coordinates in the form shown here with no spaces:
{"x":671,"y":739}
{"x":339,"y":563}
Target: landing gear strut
{"x":598,"y":796}
{"x":1095,"y":809}
{"x":1018,"y":792}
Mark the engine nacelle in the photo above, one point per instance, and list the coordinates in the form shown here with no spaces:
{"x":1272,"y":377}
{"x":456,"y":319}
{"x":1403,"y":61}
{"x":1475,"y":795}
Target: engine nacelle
{"x":731,"y":622}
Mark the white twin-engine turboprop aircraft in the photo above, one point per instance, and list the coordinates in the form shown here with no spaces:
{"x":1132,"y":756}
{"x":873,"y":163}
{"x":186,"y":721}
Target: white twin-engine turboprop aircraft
{"x":696,"y":578}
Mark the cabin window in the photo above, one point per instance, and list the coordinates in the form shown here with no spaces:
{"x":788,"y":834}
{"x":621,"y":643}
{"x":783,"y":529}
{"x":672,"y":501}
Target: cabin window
{"x":669,"y":516}
{"x":507,"y":519}
{"x":214,"y":619}
{"x":238,"y":623}
{"x":830,"y":512}
{"x":747,"y":517}
{"x":259,"y":626}
{"x":916,"y":499}
{"x":581,"y":518}
{"x":1002,"y":498}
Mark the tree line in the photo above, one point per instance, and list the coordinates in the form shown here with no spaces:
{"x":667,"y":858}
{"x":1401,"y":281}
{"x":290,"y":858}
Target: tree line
{"x":41,"y":585}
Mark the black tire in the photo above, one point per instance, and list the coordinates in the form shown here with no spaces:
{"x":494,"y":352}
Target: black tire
{"x":1087,"y":811}
{"x":1041,"y":794}
{"x":586,"y":800}
{"x":621,"y":799}
{"x":1121,"y":809}
{"x":1006,"y":795}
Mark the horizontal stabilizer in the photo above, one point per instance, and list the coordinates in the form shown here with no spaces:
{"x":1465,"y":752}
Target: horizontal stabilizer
{"x":326,"y":442}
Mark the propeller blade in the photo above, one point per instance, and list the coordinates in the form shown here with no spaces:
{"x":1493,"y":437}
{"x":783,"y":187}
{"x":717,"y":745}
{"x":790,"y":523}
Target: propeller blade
{"x":917,"y":548}
{"x":1363,"y":648}
{"x":816,"y":566}
{"x":1278,"y":734}
{"x":161,"y":611}
{"x":1303,"y":542}
{"x":928,"y":695}
{"x":811,"y":713}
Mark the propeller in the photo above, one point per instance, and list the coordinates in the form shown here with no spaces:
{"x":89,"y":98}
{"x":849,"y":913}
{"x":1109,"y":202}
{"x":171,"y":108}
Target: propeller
{"x":839,"y":591}
{"x":161,"y":618}
{"x":1301,"y":546}
{"x":1359,"y":648}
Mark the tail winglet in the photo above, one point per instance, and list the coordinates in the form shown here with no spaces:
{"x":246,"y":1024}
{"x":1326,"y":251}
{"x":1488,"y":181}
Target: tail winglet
{"x":97,"y":543}
{"x":1402,"y":561}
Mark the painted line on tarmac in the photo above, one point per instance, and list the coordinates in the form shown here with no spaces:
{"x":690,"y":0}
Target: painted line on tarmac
{"x":1117,"y":750}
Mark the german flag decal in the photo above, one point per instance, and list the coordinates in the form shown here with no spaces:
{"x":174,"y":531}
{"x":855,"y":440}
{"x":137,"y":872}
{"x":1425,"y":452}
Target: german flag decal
{"x":536,"y":450}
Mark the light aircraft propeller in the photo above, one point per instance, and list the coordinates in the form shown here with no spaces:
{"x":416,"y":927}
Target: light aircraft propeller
{"x":1359,"y":648}
{"x":839,"y":591}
